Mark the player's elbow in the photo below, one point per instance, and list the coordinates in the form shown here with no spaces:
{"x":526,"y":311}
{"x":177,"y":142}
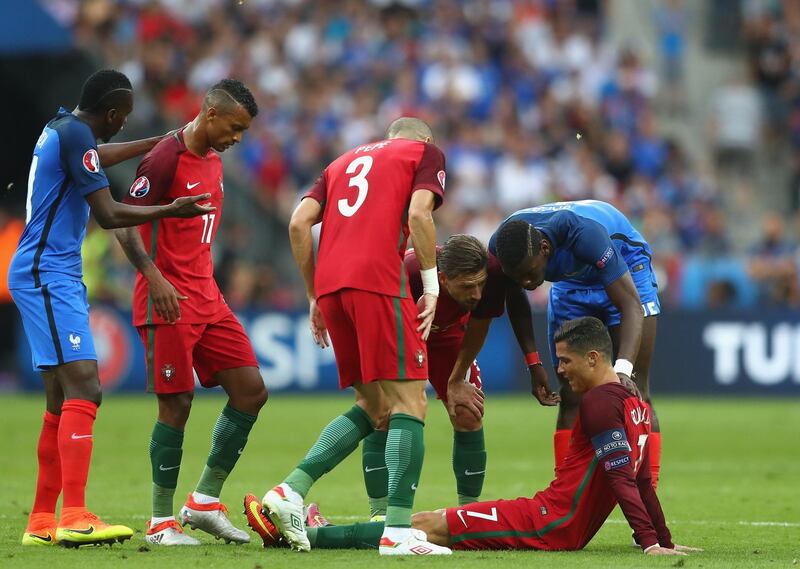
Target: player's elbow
{"x":105,"y":219}
{"x":419,"y":216}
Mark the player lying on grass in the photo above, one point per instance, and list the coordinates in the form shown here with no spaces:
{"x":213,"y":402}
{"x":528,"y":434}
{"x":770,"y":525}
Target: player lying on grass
{"x":473,"y":290}
{"x":607,"y":464}
{"x":600,"y":266}
{"x":184,"y":321}
{"x":66,"y":181}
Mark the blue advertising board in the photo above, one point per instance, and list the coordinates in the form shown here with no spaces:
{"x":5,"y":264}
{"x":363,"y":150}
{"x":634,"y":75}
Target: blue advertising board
{"x":696,"y":353}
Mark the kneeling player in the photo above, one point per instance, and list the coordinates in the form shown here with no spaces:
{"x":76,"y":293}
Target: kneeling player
{"x":607,"y":464}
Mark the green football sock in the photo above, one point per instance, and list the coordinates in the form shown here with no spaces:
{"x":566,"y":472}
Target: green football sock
{"x":165,"y":459}
{"x":336,"y":441}
{"x":376,"y":475}
{"x":469,"y":464}
{"x":228,"y":439}
{"x":356,"y":536}
{"x":405,"y":450}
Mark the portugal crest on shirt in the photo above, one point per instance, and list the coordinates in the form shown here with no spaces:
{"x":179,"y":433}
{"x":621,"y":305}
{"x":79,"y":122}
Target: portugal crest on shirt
{"x":167,"y":372}
{"x":140,"y":187}
{"x":420,"y":358}
{"x":91,"y":161}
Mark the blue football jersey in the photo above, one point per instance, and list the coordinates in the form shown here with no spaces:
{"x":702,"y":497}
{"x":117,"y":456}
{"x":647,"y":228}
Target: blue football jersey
{"x":594,"y":244}
{"x":64,"y":170}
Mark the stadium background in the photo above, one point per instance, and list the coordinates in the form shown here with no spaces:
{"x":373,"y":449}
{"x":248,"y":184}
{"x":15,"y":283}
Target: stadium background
{"x":688,"y":116}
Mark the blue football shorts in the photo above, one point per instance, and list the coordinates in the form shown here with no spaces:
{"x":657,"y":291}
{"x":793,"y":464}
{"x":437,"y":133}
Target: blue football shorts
{"x":55,"y":317}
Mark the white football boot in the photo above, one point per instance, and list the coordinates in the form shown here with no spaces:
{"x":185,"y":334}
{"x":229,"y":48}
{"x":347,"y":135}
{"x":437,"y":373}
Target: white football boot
{"x":415,"y":544}
{"x":168,"y":533}
{"x":285,"y":509}
{"x":212,"y":519}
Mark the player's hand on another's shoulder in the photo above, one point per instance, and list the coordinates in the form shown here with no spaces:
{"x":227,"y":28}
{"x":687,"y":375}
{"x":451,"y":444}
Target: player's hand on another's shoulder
{"x":427,"y":310}
{"x":540,"y":387}
{"x":658,"y":550}
{"x":166,"y":299}
{"x":630,"y":385}
{"x":188,"y":206}
{"x":319,"y":331}
{"x":687,"y":549}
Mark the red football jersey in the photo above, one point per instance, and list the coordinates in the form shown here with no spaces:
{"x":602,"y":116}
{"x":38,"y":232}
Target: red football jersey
{"x":607,"y":464}
{"x":451,"y":319}
{"x":180,"y":248}
{"x":365,"y":195}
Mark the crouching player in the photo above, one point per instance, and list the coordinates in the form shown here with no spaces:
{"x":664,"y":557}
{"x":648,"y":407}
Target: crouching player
{"x":607,"y":464}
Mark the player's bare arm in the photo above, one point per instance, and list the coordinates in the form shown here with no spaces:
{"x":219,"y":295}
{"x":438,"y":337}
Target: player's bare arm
{"x":521,"y":318}
{"x":625,"y":297}
{"x":460,"y":393}
{"x":113,"y":153}
{"x":307,"y":214}
{"x":111,"y":214}
{"x":166,"y":299}
{"x":423,"y":235}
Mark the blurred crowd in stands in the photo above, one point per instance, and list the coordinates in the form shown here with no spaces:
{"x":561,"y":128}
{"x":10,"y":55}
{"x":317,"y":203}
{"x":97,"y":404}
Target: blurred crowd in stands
{"x":529,"y":100}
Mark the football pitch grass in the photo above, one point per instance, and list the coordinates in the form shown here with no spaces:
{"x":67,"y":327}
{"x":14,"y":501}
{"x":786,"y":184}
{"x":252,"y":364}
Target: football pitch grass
{"x":729,"y":483}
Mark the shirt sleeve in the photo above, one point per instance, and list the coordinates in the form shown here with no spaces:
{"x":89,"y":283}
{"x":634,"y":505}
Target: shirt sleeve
{"x":319,"y":191}
{"x":592,"y":245}
{"x":81,"y":161}
{"x":603,"y":423}
{"x":644,"y":481}
{"x":154,"y":177}
{"x":430,"y":174}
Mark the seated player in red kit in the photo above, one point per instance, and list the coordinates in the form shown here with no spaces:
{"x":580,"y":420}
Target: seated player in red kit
{"x":607,"y":464}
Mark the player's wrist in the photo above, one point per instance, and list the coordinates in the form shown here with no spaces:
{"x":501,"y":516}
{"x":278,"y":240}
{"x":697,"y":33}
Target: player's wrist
{"x":430,"y":281}
{"x":624,"y":367}
{"x":650,"y":547}
{"x":532,"y":359}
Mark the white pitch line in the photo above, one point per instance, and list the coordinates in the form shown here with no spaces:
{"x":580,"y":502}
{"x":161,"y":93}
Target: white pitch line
{"x":721,"y":523}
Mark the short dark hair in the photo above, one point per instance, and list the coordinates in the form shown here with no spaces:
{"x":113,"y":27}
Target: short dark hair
{"x":585,"y":334}
{"x":97,"y":90}
{"x":409,"y":127}
{"x":515,"y":241}
{"x":231,"y":90}
{"x":462,"y":255}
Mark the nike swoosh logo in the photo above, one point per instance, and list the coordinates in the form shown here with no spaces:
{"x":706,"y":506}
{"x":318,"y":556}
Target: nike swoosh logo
{"x":190,"y":186}
{"x":468,"y":473}
{"x":76,"y":436}
{"x":41,"y":537}
{"x":240,"y":450}
{"x":87,"y":531}
{"x":368,"y":469}
{"x":161,"y":467}
{"x":460,"y":514}
{"x":255,"y":509}
{"x":413,"y":486}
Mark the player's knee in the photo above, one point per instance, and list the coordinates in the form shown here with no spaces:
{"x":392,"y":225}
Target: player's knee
{"x":465,"y":420}
{"x":174,"y":408}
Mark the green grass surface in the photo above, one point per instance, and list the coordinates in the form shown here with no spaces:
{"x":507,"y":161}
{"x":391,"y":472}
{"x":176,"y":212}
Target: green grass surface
{"x":730,"y":483}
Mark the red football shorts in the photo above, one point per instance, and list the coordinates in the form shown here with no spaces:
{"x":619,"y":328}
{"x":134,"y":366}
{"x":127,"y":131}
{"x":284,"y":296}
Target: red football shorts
{"x":501,"y":524}
{"x":442,"y":354}
{"x":172,"y":351}
{"x":374,"y":336}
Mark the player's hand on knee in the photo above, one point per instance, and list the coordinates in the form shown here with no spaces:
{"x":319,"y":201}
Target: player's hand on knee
{"x":658,"y":550}
{"x":467,"y":396}
{"x":166,"y":300}
{"x":687,"y":549}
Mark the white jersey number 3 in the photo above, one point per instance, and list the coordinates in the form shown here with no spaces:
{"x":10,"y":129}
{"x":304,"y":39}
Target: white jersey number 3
{"x":363,"y":164}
